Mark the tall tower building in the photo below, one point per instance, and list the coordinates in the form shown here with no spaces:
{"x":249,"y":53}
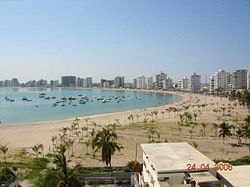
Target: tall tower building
{"x":119,"y":82}
{"x":240,"y":79}
{"x":150,"y":83}
{"x":159,"y":80}
{"x":141,"y":83}
{"x":195,"y":83}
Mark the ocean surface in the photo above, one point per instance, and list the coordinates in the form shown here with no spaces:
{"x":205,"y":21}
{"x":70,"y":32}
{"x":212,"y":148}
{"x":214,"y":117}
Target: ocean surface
{"x":26,"y":105}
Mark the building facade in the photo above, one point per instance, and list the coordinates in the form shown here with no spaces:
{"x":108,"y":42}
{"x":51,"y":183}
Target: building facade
{"x":150,"y":83}
{"x":184,"y":85}
{"x":248,"y":84}
{"x":219,"y":82}
{"x":195,"y":83}
{"x":107,"y":83}
{"x":159,"y":80}
{"x":89,"y":82}
{"x":166,"y":164}
{"x":141,"y":83}
{"x":167,"y":84}
{"x":68,"y":81}
{"x":80,"y":82}
{"x":119,"y":82}
{"x":240,"y":79}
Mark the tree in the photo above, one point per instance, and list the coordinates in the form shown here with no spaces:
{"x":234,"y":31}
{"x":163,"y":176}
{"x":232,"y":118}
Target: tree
{"x":7,"y":176}
{"x":131,"y":117}
{"x":4,"y":150}
{"x":225,"y":130}
{"x":150,"y":133}
{"x":106,"y":142}
{"x":223,"y":110}
{"x":61,"y":175}
{"x":204,"y":125}
{"x":191,"y":131}
{"x":215,"y":126}
{"x":87,"y":143}
{"x":38,"y":149}
{"x":246,"y":131}
{"x":22,"y":153}
{"x":195,"y":116}
{"x":239,"y":135}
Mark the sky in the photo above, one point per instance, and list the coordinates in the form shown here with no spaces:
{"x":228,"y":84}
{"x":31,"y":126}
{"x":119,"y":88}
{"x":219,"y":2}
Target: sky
{"x":105,"y":38}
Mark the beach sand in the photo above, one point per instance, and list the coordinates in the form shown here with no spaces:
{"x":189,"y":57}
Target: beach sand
{"x":131,"y":136}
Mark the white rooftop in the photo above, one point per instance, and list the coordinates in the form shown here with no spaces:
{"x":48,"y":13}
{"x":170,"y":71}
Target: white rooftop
{"x":203,"y":177}
{"x":175,"y":157}
{"x":239,"y":176}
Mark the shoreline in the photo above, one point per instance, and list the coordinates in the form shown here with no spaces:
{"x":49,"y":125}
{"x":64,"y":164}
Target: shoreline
{"x":28,"y":135}
{"x":179,"y":94}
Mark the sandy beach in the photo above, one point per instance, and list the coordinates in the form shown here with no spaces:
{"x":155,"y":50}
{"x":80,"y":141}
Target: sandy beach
{"x":27,"y":135}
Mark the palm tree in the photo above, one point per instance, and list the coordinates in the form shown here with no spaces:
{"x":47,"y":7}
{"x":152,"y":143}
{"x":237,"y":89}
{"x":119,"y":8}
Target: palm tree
{"x":215,"y":126}
{"x":106,"y":141}
{"x":4,"y":150}
{"x":246,"y":131}
{"x":93,"y":146}
{"x":37,"y":149}
{"x":239,"y":135}
{"x":204,"y":125}
{"x":223,"y":110}
{"x":63,"y":175}
{"x":87,"y":143}
{"x":225,"y":130}
{"x":86,"y":120}
{"x":181,"y":118}
{"x":192,"y":125}
{"x":195,"y":116}
{"x":21,"y":154}
{"x":151,"y":133}
{"x":54,"y":142}
{"x":131,"y":117}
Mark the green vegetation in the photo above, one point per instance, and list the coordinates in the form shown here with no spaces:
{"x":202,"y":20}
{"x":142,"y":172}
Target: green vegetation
{"x":7,"y":176}
{"x":105,"y":141}
{"x":241,"y":161}
{"x":225,"y":131}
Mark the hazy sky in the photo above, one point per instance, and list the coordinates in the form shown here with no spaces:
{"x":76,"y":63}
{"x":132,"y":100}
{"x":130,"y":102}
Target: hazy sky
{"x":105,"y":38}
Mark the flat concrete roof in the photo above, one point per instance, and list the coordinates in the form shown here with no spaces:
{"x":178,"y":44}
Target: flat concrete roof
{"x":203,"y":177}
{"x":239,"y":176}
{"x":175,"y":157}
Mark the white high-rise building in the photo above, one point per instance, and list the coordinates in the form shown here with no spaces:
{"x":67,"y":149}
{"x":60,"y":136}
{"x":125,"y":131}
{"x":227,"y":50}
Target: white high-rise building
{"x":167,"y":84}
{"x":211,"y":84}
{"x":240,"y":79}
{"x":195,"y":83}
{"x":248,"y":84}
{"x":229,"y":82}
{"x":159,"y":80}
{"x":119,"y":82}
{"x":150,"y":83}
{"x":89,"y":82}
{"x":184,"y":83}
{"x":218,"y":82}
{"x":179,"y":85}
{"x":141,"y":83}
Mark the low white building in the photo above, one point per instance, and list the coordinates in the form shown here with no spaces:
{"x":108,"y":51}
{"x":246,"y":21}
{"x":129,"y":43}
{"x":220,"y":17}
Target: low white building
{"x":177,"y":165}
{"x":239,"y":176}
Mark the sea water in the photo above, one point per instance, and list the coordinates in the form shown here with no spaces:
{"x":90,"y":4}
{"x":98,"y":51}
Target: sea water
{"x":15,"y":110}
